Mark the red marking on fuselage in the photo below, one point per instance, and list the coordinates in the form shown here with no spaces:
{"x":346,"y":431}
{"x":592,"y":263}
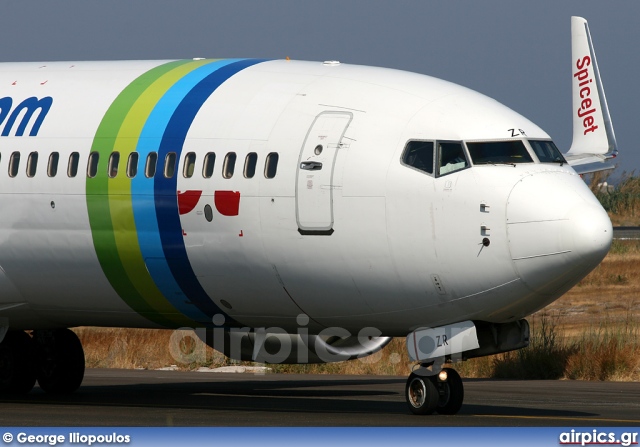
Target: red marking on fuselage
{"x":241,"y":233}
{"x":188,"y":200}
{"x":43,"y":83}
{"x":184,"y":233}
{"x":227,"y":202}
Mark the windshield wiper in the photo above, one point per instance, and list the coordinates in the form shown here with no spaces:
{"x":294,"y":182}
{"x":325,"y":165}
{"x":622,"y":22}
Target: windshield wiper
{"x":496,"y":163}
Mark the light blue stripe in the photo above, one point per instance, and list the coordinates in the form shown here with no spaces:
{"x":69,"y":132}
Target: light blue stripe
{"x":142,"y":190}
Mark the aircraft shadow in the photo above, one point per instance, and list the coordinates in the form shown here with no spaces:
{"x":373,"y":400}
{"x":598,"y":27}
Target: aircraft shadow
{"x":375,"y":401}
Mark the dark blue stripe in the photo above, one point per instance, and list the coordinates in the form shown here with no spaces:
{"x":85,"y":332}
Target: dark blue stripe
{"x":165,"y":189}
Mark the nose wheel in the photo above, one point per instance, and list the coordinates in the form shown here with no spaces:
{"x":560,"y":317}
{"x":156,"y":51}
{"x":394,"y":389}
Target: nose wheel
{"x":421,"y":393}
{"x":427,"y":392}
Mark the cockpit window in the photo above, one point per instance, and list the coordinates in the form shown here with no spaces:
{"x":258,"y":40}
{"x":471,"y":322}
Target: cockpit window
{"x":499,"y":152}
{"x":419,"y":155}
{"x":546,"y":151}
{"x":451,"y":158}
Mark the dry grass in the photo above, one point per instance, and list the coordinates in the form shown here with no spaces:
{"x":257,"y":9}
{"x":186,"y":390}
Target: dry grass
{"x":610,"y":294}
{"x":392,"y":360}
{"x":143,"y":349}
{"x":622,"y":204}
{"x":609,"y":352}
{"x":125,"y":348}
{"x":158,"y":348}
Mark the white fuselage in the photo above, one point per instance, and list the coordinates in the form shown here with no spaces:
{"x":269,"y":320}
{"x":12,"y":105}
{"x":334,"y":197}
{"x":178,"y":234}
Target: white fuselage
{"x":363,"y":241}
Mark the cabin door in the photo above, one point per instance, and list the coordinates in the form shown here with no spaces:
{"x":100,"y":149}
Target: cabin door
{"x":314,"y":179}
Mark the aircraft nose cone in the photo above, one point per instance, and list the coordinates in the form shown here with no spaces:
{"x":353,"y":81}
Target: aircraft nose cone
{"x":591,"y":232}
{"x":558,"y":231}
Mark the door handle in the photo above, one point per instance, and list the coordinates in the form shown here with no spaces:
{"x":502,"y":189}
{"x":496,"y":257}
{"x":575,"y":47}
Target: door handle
{"x":311,"y":165}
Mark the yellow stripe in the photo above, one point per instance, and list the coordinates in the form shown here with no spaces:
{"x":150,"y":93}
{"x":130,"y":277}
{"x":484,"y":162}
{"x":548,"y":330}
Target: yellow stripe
{"x":119,"y":188}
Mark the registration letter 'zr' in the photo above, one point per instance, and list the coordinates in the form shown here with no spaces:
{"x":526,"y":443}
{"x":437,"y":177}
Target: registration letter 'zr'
{"x":517,"y":132}
{"x":442,"y":340}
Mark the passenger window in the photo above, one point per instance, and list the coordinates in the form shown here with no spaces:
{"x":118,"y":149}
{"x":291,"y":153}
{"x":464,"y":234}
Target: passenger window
{"x":150,"y":166}
{"x":229,"y":165}
{"x":170,"y":165}
{"x":419,"y":155}
{"x":250,"y":163}
{"x":52,"y":166}
{"x":189,"y":165}
{"x":132,"y":165}
{"x":271,"y":165}
{"x":114,"y":161}
{"x":14,"y":164}
{"x":72,"y":169}
{"x":32,"y":164}
{"x":92,"y":165}
{"x":207,"y":167}
{"x":451,"y":158}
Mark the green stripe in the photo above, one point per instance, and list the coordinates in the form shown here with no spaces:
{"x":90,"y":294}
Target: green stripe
{"x":120,"y":188}
{"x":100,"y":217}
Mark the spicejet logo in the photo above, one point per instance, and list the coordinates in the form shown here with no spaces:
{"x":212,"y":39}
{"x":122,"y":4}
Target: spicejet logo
{"x":26,"y":110}
{"x":586,"y":109}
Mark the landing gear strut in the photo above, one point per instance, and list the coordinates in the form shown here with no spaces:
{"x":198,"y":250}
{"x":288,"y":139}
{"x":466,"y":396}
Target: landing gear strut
{"x":54,"y":357}
{"x":427,"y":392}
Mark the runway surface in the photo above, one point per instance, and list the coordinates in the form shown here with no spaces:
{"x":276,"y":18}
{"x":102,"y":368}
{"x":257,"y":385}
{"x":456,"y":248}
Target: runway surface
{"x":111,"y":397}
{"x":626,"y":232}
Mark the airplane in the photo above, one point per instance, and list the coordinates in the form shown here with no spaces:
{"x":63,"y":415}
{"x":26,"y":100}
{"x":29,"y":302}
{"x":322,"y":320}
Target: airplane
{"x":288,"y":212}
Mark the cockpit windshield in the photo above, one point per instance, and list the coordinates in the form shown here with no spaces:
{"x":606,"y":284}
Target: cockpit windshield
{"x":546,"y":151}
{"x":499,"y":152}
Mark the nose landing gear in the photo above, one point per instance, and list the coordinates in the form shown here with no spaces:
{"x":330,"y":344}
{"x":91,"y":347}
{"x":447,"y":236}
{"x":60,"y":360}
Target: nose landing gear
{"x":427,"y":392}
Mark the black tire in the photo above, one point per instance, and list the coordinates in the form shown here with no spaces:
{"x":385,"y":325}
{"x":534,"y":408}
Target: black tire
{"x":61,"y":361}
{"x":451,"y":393}
{"x":421,"y":394}
{"x":17,"y":363}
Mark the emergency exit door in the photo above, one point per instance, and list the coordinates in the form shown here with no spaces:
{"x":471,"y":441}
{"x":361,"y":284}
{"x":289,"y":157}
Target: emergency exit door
{"x":314,"y":180}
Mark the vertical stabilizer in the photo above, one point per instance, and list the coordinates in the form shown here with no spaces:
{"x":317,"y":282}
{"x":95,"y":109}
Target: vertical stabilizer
{"x":592,"y":129}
